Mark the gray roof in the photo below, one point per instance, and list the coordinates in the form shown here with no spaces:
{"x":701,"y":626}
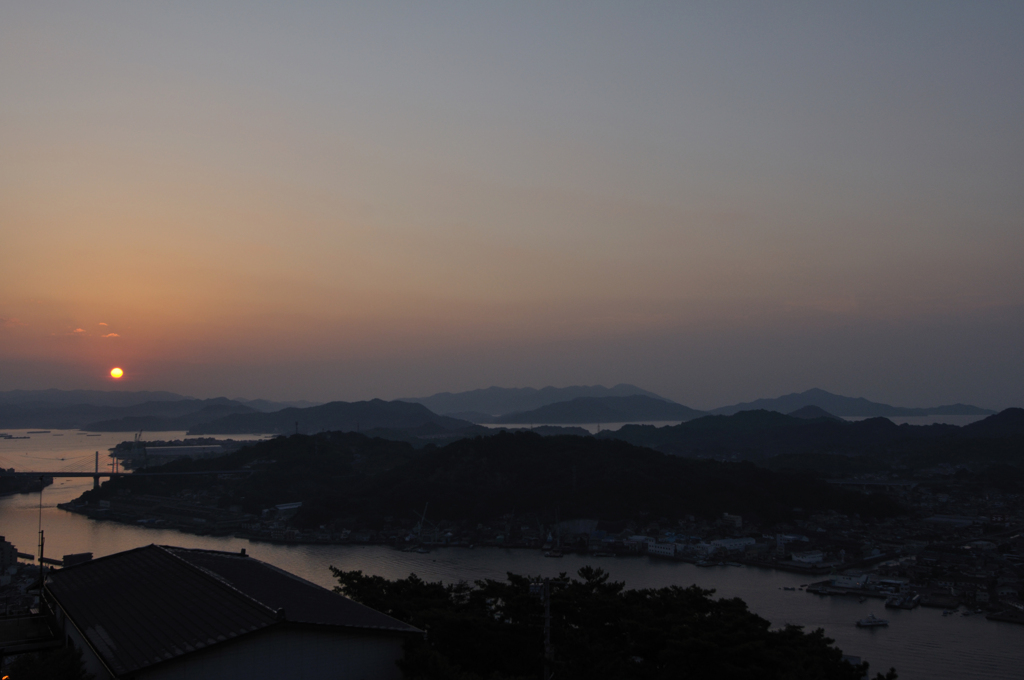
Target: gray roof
{"x":152,"y":604}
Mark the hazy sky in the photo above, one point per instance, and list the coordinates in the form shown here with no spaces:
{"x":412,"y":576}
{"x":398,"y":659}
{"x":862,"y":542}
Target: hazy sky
{"x":716,"y":201}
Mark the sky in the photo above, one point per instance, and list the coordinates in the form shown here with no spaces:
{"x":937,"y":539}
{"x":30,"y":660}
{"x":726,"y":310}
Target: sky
{"x":715,"y":201}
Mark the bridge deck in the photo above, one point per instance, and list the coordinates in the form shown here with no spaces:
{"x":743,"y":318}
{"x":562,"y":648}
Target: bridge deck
{"x":120,"y":474}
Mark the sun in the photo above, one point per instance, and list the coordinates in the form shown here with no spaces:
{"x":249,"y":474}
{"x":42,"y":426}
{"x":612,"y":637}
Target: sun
{"x":116,"y":373}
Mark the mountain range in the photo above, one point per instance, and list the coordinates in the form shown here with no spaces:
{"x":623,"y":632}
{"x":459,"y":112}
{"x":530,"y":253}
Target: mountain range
{"x":760,"y":434}
{"x":497,"y":401}
{"x":336,"y":416}
{"x":150,"y":415}
{"x":847,"y":407}
{"x":633,"y":408}
{"x":167,"y":411}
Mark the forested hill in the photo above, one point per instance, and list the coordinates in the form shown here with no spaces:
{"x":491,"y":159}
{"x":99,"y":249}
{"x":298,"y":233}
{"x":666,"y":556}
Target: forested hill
{"x":755,"y":435}
{"x":349,"y":476}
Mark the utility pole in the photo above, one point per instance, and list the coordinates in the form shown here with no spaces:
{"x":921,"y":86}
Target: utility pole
{"x":41,"y":540}
{"x":96,"y":477}
{"x":543,"y":590}
{"x":547,"y":629}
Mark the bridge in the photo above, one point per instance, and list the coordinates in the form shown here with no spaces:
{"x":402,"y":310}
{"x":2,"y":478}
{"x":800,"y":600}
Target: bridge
{"x":89,"y":466}
{"x":121,"y":474}
{"x":96,"y":475}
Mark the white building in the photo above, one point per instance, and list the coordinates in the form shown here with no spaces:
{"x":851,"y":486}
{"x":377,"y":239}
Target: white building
{"x":165,"y":613}
{"x":808,"y":557}
{"x":661,"y":549}
{"x":850,"y":581}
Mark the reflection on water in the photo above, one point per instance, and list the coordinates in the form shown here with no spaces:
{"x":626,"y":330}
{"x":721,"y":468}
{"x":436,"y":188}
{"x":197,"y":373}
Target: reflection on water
{"x":921,"y":644}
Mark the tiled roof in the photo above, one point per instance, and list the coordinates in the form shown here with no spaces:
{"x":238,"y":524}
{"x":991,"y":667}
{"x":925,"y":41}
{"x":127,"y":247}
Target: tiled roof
{"x":155,"y":603}
{"x":302,"y":601}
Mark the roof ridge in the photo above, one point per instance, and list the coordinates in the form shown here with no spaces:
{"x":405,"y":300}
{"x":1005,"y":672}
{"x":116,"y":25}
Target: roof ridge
{"x":170,"y":550}
{"x":111,"y":555}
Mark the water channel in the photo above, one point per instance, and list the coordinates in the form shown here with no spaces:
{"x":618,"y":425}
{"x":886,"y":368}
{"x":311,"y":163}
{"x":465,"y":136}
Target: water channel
{"x":921,"y":644}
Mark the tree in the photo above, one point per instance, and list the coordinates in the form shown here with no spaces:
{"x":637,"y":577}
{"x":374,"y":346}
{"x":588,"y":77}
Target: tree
{"x":600,"y":630}
{"x":63,"y":663}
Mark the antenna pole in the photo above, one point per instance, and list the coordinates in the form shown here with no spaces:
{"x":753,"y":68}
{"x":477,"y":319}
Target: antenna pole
{"x":41,"y":541}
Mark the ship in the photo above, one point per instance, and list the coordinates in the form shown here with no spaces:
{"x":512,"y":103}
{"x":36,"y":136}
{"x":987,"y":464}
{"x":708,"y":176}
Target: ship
{"x":872,"y":622}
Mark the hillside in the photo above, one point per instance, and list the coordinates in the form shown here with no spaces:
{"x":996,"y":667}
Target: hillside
{"x":347,"y":475}
{"x":838,"y":405}
{"x":603,"y":410}
{"x":758,"y":435}
{"x":90,"y":397}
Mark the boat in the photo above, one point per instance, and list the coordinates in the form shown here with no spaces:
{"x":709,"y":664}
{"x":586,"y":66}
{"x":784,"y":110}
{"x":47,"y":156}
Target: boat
{"x":788,"y":588}
{"x":872,"y":622}
{"x":948,"y":612}
{"x":553,"y":553}
{"x":704,"y":563}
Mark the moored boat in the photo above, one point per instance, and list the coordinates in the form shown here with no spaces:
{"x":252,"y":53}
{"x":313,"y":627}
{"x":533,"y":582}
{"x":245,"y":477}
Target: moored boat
{"x":872,"y":622}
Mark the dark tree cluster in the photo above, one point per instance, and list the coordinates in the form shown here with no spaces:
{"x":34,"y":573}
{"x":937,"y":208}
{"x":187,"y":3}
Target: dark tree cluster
{"x":348,"y":475}
{"x":599,"y":630}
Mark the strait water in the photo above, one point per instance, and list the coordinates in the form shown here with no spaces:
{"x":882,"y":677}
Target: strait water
{"x":921,"y":644}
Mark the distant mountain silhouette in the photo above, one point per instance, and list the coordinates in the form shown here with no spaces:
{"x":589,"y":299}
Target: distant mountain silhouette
{"x":86,"y":397}
{"x":762,"y":434}
{"x":809,"y":412}
{"x":847,"y":406}
{"x":267,"y":406}
{"x":474,"y":416}
{"x":337,"y":415}
{"x":497,"y":401}
{"x":168,"y":424}
{"x":603,"y":410}
{"x":111,"y":418}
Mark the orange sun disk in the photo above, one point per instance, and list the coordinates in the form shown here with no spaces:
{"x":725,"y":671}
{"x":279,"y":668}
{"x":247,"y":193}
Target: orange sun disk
{"x":116,"y":373}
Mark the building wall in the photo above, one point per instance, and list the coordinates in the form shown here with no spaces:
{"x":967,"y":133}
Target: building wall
{"x":733,"y":543}
{"x":8,"y":554}
{"x":293,"y":654}
{"x":74,"y":637}
{"x":662,"y":549}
